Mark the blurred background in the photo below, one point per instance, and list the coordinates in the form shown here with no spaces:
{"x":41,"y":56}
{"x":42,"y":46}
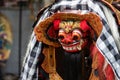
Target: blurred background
{"x":16,"y":20}
{"x":20,"y":16}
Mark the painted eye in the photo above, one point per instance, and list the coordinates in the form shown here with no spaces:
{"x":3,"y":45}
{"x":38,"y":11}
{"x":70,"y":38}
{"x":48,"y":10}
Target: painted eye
{"x":76,"y":35}
{"x":61,"y":34}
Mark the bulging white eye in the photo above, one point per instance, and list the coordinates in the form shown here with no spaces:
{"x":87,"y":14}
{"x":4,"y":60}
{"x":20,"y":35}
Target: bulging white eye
{"x":76,"y":34}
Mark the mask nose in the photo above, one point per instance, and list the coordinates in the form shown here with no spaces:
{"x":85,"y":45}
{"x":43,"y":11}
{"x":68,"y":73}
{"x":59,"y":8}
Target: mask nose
{"x":65,"y":38}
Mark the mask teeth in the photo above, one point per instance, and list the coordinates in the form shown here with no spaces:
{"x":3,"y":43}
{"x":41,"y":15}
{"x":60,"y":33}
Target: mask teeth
{"x":74,"y":47}
{"x":70,"y":48}
{"x":79,"y":47}
{"x":64,"y":47}
{"x":67,"y":48}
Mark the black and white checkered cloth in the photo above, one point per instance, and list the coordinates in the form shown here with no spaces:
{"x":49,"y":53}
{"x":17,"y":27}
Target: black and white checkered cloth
{"x":106,"y":42}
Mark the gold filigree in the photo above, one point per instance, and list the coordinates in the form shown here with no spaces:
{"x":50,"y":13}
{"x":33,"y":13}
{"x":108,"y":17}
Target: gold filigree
{"x":69,"y":25}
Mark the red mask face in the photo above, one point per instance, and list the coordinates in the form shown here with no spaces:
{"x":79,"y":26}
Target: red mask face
{"x":72,"y":41}
{"x":71,"y":36}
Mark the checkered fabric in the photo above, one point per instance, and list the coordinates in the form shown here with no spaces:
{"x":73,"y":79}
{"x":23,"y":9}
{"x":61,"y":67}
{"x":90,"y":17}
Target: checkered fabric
{"x":105,"y":42}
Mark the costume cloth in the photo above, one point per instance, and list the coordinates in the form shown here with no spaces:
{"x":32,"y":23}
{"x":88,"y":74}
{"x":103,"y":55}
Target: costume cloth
{"x":106,"y":43}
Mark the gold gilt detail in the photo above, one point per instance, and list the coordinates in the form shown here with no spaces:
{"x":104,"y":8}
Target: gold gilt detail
{"x":69,"y":25}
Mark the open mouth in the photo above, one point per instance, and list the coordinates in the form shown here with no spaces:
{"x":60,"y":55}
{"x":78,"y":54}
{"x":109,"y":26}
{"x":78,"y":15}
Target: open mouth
{"x":73,"y":47}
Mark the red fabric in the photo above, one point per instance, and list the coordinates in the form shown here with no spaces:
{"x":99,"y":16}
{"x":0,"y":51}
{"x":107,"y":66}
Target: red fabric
{"x":52,"y":30}
{"x":100,"y":58}
{"x":109,"y":73}
{"x":52,"y":33}
{"x":56,"y":24}
{"x":84,"y":26}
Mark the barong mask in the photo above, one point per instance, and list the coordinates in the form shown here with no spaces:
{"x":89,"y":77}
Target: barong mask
{"x":72,"y":34}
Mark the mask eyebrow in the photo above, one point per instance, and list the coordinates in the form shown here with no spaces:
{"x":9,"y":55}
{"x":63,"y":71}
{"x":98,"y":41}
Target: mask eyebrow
{"x":78,"y":31}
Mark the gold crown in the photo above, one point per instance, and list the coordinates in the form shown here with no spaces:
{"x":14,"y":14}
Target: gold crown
{"x":69,"y":25}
